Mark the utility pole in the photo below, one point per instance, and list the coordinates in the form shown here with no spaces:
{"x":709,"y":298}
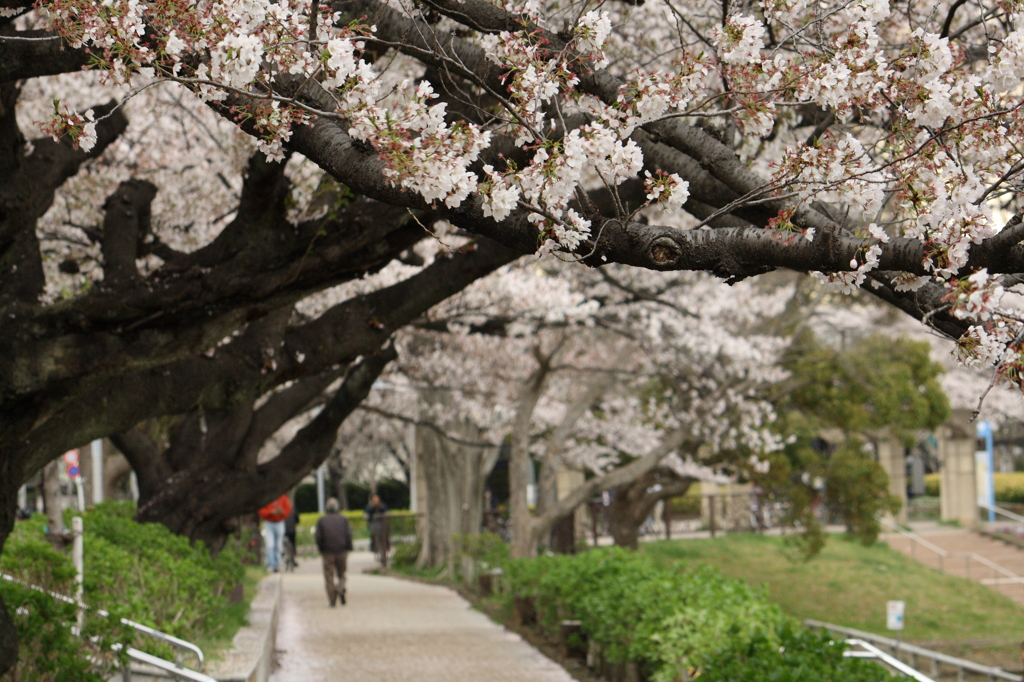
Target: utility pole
{"x":320,"y":501}
{"x":97,"y":471}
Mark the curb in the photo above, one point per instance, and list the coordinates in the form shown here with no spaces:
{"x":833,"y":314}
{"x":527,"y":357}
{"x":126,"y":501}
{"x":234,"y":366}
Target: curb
{"x":251,"y":656}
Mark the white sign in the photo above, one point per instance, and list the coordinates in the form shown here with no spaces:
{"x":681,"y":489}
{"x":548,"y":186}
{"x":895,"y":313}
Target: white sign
{"x":982,"y":478}
{"x":894,"y":614}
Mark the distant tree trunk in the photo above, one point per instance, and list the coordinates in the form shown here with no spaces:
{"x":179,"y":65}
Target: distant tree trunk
{"x":336,"y":479}
{"x":52,"y":505}
{"x":455,"y":474}
{"x":633,"y":502}
{"x":115,"y":470}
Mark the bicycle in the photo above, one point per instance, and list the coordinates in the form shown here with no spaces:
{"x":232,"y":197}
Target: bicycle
{"x":288,"y":555}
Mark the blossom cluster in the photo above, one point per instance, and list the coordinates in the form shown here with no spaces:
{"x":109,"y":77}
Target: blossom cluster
{"x":907,"y":130}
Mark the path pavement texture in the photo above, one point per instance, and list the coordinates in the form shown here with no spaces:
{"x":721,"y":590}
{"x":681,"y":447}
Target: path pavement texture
{"x":960,"y":545}
{"x":395,"y":630}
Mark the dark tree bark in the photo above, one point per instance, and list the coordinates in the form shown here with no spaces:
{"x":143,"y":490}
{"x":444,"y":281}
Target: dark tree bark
{"x":455,"y":472}
{"x":52,"y":505}
{"x":102,"y":362}
{"x":209,"y":474}
{"x":632,"y":503}
{"x":134,"y":348}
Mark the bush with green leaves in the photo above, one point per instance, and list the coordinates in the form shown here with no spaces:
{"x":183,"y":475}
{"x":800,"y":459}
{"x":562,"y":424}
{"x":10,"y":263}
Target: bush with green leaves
{"x":668,"y":620}
{"x":159,"y":578}
{"x":49,"y":648}
{"x":138,"y":571}
{"x":1009,"y":486}
{"x":789,"y":654}
{"x":400,"y":522}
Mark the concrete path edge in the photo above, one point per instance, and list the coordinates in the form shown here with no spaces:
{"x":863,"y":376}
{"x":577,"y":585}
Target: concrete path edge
{"x":251,"y":656}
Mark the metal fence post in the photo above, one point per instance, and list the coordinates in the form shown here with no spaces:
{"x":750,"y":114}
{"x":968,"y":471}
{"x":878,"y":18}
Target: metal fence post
{"x":711,"y":512}
{"x":78,"y":558}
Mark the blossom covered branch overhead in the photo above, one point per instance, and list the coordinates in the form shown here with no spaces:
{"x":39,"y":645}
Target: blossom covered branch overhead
{"x":873,"y":146}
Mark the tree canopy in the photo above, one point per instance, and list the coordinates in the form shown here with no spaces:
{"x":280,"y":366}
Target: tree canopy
{"x":178,"y":176}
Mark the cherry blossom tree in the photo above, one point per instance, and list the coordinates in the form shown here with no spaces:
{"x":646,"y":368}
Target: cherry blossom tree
{"x":873,"y":146}
{"x":606,"y":368}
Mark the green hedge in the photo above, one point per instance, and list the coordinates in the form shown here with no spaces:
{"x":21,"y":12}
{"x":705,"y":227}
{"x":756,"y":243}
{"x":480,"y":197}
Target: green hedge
{"x":159,"y":577}
{"x":48,"y":650}
{"x":669,"y":621}
{"x":138,"y":571}
{"x":402,"y":522}
{"x":789,"y":654}
{"x":1009,"y":486}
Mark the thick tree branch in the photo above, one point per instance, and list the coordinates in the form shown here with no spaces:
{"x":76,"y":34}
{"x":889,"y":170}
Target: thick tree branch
{"x":237,"y":371}
{"x":145,"y":458}
{"x":614,"y":478}
{"x":27,"y":54}
{"x":281,"y":407}
{"x":126,"y":224}
{"x":28,"y":194}
{"x":312,"y":444}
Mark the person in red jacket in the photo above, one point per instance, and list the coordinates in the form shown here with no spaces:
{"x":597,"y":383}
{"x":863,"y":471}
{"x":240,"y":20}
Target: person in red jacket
{"x":273,"y":516}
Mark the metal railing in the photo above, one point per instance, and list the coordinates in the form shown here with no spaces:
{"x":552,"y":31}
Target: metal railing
{"x":871,"y":651}
{"x":1003,"y":512}
{"x":176,"y":668}
{"x":914,"y":652}
{"x":1008,"y":576}
{"x":176,"y":671}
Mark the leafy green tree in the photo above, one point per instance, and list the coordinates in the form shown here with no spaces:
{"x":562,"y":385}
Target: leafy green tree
{"x":836,"y":404}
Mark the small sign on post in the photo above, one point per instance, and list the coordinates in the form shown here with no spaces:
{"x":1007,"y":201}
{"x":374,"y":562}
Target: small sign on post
{"x":894,"y":614}
{"x":71,"y":460}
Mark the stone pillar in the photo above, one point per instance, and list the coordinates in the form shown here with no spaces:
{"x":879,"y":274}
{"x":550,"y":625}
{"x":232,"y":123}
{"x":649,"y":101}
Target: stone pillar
{"x":713,"y":506}
{"x":566,"y":482}
{"x":892,"y":458}
{"x":958,"y":493}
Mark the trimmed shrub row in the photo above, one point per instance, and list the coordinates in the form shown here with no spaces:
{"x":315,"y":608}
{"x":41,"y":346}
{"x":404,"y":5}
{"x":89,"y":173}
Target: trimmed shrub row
{"x":672,"y":624}
{"x":142,"y":572}
{"x":1009,"y":486}
{"x":400,"y":522}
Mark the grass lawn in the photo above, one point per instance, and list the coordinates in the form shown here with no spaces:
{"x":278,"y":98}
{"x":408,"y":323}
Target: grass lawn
{"x":848,"y":584}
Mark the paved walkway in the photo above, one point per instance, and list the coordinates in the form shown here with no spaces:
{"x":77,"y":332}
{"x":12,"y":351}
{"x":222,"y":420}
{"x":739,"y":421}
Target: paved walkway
{"x":960,"y":544}
{"x":393,"y":631}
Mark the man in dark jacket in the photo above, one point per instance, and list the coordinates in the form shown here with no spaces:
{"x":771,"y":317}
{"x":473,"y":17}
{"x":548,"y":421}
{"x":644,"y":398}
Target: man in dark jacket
{"x":334,"y":540}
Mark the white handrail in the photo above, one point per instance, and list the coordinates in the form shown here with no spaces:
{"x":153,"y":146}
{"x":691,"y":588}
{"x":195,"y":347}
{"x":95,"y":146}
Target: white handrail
{"x":173,"y":669}
{"x":944,"y":554}
{"x":170,"y":639}
{"x":914,"y":650}
{"x":915,"y":537}
{"x":891,"y":661}
{"x":1003,"y":512}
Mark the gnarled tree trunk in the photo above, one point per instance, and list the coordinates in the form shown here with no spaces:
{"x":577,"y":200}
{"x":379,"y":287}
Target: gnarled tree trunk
{"x":455,"y":464}
{"x":633,"y":502}
{"x":209,"y":475}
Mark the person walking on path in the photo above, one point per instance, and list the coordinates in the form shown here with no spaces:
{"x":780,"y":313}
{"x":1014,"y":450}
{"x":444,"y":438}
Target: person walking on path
{"x":376,"y":516}
{"x":334,"y":540}
{"x":273,"y":516}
